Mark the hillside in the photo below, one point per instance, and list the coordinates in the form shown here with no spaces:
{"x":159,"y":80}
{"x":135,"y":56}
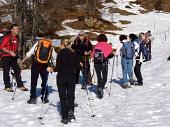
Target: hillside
{"x":49,"y":17}
{"x":160,"y":5}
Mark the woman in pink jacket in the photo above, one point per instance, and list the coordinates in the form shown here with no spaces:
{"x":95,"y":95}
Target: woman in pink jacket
{"x":101,"y":53}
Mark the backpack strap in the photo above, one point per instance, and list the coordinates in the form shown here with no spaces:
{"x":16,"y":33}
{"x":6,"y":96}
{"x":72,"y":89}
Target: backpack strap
{"x":38,"y":51}
{"x":7,"y":34}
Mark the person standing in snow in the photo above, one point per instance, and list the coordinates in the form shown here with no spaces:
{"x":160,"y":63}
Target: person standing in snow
{"x":100,"y":54}
{"x":148,"y":42}
{"x":127,"y":50}
{"x":9,"y":56}
{"x":133,"y":38}
{"x":67,"y":64}
{"x":139,"y":59}
{"x":149,"y":35}
{"x":39,"y":52}
{"x":144,"y":55}
{"x":83,"y":47}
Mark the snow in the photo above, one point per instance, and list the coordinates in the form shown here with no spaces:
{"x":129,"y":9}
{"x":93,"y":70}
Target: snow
{"x":140,"y":106}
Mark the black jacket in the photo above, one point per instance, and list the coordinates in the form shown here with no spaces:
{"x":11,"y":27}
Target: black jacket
{"x":66,"y":63}
{"x":80,"y":47}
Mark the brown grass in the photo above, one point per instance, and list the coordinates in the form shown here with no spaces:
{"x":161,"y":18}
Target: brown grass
{"x":124,"y":22}
{"x":82,"y":26}
{"x":121,"y":12}
{"x":151,"y":4}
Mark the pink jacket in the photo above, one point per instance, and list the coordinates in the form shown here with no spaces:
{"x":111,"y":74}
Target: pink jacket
{"x":105,"y":47}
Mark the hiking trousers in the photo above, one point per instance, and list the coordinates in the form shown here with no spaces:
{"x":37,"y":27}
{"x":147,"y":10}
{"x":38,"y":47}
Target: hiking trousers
{"x":37,"y":70}
{"x":137,"y":71}
{"x":127,"y":65}
{"x":66,"y":90}
{"x":7,"y":63}
{"x":102,"y":72}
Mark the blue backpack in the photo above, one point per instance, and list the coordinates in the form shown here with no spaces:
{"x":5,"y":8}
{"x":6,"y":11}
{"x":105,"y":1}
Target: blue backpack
{"x":145,"y":51}
{"x":128,"y":50}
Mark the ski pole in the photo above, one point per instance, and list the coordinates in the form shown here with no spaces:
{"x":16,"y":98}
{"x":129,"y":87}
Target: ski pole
{"x":90,"y":105}
{"x":111,"y":79}
{"x":14,"y":84}
{"x":42,"y":107}
{"x":117,"y":66}
{"x":93,"y":75}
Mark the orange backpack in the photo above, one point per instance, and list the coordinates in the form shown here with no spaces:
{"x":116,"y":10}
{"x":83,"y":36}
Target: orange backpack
{"x":43,"y":51}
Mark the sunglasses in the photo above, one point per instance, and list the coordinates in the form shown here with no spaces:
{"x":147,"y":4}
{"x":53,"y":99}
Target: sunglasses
{"x":81,"y":34}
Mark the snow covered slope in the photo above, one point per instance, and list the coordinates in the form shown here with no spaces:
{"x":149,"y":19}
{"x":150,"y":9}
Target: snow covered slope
{"x":146,"y":106}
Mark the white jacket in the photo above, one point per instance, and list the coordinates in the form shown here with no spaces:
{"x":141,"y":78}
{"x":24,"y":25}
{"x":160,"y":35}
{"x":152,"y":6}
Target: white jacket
{"x":1,"y":35}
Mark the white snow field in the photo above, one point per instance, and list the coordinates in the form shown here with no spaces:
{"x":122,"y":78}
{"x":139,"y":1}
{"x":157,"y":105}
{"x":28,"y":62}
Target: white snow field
{"x":140,"y":106}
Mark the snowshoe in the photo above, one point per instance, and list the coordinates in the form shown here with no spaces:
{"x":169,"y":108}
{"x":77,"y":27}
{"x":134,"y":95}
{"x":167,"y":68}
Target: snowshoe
{"x":100,"y":93}
{"x":132,"y":82}
{"x":32,"y":101}
{"x":125,"y":86}
{"x":23,"y":88}
{"x":45,"y":100}
{"x":139,"y":84}
{"x":9,"y":89}
{"x":64,"y":120}
{"x":71,"y":116}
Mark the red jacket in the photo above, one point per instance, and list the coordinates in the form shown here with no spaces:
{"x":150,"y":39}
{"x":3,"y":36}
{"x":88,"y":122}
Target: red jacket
{"x":11,"y":43}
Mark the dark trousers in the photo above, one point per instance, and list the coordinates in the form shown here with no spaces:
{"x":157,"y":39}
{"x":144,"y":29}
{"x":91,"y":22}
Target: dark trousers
{"x":137,"y":71}
{"x":66,"y":89}
{"x":86,"y":74}
{"x":35,"y":71}
{"x":8,"y":62}
{"x":101,"y":71}
{"x":77,"y":76}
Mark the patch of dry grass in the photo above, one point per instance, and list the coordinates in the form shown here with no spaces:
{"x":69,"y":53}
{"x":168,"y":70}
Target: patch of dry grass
{"x":124,"y":22}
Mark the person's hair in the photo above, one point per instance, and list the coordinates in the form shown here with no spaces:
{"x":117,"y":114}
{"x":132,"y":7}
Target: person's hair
{"x":133,"y":37}
{"x":142,"y":33}
{"x":65,"y":42}
{"x":122,"y":37}
{"x":47,"y":37}
{"x":82,"y":33}
{"x":13,"y":25}
{"x":102,"y":38}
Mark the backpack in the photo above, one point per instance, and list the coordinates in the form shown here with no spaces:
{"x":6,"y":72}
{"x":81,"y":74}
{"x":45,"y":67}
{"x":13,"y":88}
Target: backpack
{"x":145,"y":51}
{"x":43,"y":52}
{"x":98,"y":56}
{"x":4,"y":34}
{"x":128,"y":50}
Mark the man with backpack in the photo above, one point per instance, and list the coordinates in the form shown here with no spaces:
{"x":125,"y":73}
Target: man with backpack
{"x":41,"y":54}
{"x":9,"y":46}
{"x":102,"y":52}
{"x":127,"y":52}
{"x":83,"y":47}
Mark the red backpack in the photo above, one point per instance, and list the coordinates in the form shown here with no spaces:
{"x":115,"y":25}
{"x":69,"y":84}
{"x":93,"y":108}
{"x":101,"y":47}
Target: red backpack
{"x":3,"y":35}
